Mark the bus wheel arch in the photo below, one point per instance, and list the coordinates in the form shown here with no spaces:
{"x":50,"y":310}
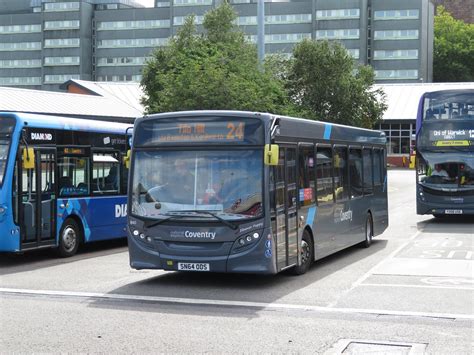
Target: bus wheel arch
{"x":307,"y":252}
{"x":369,"y":230}
{"x":70,"y":236}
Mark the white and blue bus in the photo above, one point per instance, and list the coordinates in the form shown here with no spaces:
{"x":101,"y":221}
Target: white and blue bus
{"x":62,"y":182}
{"x":445,"y":153}
{"x":227,"y":191}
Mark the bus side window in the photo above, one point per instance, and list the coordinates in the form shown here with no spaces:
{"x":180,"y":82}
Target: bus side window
{"x":324,"y":175}
{"x":368,"y":171}
{"x":377,"y":167}
{"x":355,"y":172}
{"x":341,"y":178}
{"x":105,"y":173}
{"x":73,"y":176}
{"x":306,"y":175}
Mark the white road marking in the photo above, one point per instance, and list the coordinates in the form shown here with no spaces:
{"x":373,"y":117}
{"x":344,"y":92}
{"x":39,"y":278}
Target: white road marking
{"x":365,"y":276}
{"x":469,"y":288}
{"x":208,"y":302}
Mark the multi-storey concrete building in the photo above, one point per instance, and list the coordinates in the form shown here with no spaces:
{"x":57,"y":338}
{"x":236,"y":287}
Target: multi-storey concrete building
{"x":43,"y":43}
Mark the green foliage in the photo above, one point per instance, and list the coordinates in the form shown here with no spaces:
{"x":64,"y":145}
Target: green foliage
{"x":214,"y":70}
{"x":453,"y":54}
{"x":322,"y":85}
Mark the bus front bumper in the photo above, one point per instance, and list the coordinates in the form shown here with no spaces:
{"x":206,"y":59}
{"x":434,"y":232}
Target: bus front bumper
{"x":256,"y":260}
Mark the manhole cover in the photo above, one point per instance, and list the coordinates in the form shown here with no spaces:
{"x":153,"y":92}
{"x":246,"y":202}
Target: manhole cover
{"x":355,"y":346}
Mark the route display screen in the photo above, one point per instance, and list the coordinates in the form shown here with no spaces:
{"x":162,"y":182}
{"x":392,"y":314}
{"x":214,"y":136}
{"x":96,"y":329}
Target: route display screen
{"x":195,"y":130}
{"x":447,"y":134}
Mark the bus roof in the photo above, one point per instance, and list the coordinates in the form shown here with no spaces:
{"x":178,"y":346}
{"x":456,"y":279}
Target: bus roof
{"x":292,"y":126}
{"x":67,"y":123}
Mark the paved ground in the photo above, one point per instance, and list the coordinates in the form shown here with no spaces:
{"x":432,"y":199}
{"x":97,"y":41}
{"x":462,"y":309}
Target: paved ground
{"x":412,"y":289}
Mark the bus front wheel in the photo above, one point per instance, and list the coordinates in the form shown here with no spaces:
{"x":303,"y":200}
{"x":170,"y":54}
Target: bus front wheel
{"x":306,"y":254}
{"x":69,"y":238}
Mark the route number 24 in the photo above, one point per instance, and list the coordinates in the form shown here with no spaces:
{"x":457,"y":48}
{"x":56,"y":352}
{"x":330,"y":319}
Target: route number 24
{"x":235,"y":132}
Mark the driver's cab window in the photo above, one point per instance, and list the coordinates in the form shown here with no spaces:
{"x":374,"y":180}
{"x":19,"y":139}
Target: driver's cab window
{"x":73,"y":176}
{"x":105,"y":173}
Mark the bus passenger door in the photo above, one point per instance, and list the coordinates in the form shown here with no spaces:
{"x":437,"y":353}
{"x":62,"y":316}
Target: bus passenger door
{"x":38,"y":200}
{"x":285,"y":223}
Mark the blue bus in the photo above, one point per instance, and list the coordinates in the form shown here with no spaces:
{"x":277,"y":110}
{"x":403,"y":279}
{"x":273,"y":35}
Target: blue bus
{"x":445,"y":153}
{"x":62,"y":182}
{"x":228,"y":191}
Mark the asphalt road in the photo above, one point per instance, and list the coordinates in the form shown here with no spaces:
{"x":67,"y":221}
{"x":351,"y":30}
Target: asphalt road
{"x":411,"y":290}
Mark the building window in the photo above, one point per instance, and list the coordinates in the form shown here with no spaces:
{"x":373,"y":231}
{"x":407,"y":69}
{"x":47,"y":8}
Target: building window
{"x":62,"y":61}
{"x":11,"y":29}
{"x":354,"y":53}
{"x":396,"y":74}
{"x":396,"y":54}
{"x":60,"y":78}
{"x":61,"y":6}
{"x":20,"y":63}
{"x":191,"y":2}
{"x":120,"y":78}
{"x":338,"y":34}
{"x":286,"y":37}
{"x":136,"y":42}
{"x":337,"y":14}
{"x":120,"y":61}
{"x":240,"y":1}
{"x":246,"y":20}
{"x":61,"y":25}
{"x":397,"y":14}
{"x":396,"y":34}
{"x":17,"y":81}
{"x":163,"y":4}
{"x":287,"y":19}
{"x":179,"y":20}
{"x":398,"y":137}
{"x":132,"y":25}
{"x":20,"y":46}
{"x":61,"y":42}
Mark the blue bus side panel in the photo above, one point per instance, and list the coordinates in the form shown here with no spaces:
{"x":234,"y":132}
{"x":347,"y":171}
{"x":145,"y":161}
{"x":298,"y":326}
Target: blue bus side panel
{"x":102,"y":217}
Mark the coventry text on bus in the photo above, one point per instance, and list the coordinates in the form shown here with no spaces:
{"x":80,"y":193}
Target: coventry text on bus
{"x":227,"y":191}
{"x":445,"y":153}
{"x":62,"y":182}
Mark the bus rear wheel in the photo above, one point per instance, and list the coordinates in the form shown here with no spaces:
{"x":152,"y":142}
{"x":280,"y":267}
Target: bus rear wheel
{"x":306,"y":255}
{"x":69,"y":238}
{"x":369,"y":232}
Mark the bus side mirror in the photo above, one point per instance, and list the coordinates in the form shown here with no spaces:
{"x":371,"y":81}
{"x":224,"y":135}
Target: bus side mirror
{"x":271,"y":154}
{"x":126,"y":159}
{"x":28,"y":158}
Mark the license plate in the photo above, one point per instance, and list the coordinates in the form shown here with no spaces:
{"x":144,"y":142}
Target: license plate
{"x":193,"y":267}
{"x":453,"y":211}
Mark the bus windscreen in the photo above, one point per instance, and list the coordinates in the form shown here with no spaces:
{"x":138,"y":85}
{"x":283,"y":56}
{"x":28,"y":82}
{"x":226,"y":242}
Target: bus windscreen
{"x":227,"y":183}
{"x":7,"y":125}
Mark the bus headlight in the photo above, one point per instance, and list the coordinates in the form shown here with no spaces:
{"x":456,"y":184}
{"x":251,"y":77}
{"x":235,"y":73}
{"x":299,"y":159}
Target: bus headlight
{"x":3,"y":209}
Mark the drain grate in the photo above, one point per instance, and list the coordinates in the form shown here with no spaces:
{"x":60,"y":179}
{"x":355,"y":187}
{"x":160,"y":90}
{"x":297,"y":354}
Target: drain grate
{"x":356,"y":347}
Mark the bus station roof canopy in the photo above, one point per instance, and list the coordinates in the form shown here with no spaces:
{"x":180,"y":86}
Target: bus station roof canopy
{"x":403,"y":99}
{"x":108,"y":108}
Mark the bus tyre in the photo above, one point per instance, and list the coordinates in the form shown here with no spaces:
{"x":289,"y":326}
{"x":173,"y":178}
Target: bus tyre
{"x":306,"y":255}
{"x":369,"y":232}
{"x":69,"y":238}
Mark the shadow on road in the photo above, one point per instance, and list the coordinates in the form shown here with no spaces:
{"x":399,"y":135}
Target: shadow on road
{"x":37,"y":259}
{"x":238,"y":287}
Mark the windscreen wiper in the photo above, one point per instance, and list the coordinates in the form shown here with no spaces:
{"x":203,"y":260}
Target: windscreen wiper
{"x":156,"y":223}
{"x":220,"y":219}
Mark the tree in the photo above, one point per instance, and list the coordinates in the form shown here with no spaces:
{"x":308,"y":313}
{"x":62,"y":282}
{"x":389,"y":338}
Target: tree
{"x":324,"y":84}
{"x":453,"y":48}
{"x":217,"y":69}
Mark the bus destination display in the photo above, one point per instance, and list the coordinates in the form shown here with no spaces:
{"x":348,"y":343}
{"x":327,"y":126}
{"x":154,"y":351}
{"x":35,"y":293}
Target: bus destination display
{"x":225,"y":130}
